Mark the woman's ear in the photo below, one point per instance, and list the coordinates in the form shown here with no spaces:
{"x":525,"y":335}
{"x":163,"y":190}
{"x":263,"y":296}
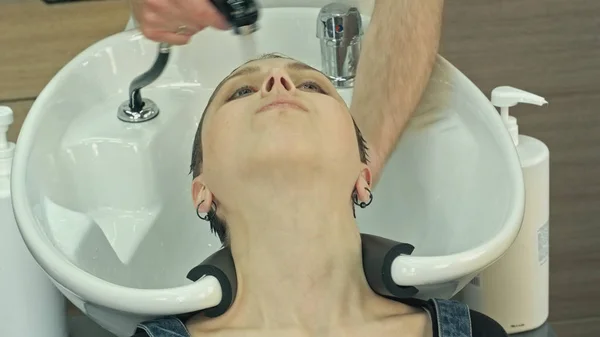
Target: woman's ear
{"x":363,"y":185}
{"x":201,"y":195}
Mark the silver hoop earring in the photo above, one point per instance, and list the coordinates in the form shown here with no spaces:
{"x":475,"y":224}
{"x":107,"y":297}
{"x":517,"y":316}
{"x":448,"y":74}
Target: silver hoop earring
{"x":209,"y":216}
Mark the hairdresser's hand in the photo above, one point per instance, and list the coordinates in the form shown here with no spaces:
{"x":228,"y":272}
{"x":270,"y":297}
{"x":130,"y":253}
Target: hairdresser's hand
{"x":175,"y":21}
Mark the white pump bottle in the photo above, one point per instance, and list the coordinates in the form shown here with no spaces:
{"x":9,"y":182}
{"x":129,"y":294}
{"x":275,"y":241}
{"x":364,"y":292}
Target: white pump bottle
{"x":30,"y":305}
{"x":514,"y":290}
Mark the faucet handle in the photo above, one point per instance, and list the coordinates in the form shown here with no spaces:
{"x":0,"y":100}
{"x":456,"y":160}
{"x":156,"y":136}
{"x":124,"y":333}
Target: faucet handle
{"x":339,"y":22}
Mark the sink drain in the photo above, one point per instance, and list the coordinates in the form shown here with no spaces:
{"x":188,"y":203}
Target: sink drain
{"x":148,"y":111}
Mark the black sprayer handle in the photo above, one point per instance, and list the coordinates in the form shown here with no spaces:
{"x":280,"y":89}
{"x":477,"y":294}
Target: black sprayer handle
{"x":238,"y":13}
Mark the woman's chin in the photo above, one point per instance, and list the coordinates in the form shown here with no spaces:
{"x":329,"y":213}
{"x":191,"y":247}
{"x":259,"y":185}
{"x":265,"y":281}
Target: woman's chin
{"x":286,"y":154}
{"x":280,"y":155}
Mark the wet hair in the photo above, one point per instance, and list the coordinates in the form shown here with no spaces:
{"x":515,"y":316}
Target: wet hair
{"x":218,"y":225}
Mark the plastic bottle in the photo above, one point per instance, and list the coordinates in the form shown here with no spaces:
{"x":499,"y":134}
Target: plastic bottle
{"x":514,"y":290}
{"x":30,"y":305}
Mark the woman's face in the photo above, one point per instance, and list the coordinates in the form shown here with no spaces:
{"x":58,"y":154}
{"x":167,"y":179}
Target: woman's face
{"x":276,"y":113}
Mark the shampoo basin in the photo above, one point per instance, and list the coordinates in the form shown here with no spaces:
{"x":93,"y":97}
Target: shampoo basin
{"x":104,"y":206}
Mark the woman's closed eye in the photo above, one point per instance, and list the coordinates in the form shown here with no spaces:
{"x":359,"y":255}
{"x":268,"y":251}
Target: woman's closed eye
{"x":248,"y":90}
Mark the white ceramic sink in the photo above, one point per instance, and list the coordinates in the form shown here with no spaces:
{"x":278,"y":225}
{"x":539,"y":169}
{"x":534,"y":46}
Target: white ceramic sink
{"x":105,"y":207}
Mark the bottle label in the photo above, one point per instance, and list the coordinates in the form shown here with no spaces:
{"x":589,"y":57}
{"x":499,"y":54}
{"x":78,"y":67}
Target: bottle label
{"x":543,"y":240}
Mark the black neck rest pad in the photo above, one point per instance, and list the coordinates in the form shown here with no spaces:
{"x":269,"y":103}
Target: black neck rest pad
{"x":378,"y":255}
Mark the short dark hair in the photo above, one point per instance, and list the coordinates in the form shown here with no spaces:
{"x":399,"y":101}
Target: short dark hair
{"x":218,"y":225}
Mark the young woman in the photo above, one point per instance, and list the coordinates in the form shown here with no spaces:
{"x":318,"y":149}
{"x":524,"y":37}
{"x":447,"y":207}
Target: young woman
{"x":278,"y":165}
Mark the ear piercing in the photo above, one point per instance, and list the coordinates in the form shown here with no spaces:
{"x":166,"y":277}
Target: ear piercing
{"x":210,"y":215}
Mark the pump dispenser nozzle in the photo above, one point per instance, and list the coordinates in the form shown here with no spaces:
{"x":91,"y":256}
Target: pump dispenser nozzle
{"x":505,"y":97}
{"x":7,"y":148}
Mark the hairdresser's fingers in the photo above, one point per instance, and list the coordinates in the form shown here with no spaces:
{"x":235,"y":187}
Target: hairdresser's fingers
{"x":177,"y":35}
{"x":177,"y":19}
{"x":159,"y":20}
{"x":203,"y":12}
{"x":167,"y":27}
{"x":150,"y":19}
{"x":187,"y":24}
{"x":155,"y":13}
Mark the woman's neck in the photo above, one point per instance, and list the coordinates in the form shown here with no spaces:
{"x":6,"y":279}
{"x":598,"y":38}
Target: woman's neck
{"x":298,"y":259}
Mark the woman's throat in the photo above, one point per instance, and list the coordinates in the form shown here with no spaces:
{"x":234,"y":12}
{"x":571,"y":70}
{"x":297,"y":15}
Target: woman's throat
{"x":284,"y":283}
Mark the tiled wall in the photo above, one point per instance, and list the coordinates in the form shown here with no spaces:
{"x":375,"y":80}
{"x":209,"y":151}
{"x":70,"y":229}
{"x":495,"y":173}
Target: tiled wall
{"x":550,"y":47}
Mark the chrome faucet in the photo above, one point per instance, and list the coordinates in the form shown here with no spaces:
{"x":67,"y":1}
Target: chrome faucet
{"x":339,"y":27}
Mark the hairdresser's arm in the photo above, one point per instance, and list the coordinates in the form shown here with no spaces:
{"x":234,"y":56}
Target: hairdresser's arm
{"x":399,"y":50}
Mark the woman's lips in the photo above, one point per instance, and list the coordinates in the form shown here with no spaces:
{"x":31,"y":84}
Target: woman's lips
{"x":283,"y":103}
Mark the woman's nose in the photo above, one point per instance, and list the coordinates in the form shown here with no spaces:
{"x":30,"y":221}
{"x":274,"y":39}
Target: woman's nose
{"x":277,"y":81}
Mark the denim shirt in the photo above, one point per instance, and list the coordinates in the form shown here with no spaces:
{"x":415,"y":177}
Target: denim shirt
{"x":450,"y":319}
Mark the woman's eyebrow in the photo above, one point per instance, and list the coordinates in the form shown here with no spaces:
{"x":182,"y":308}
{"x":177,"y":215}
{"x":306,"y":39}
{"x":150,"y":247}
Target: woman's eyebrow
{"x":305,"y":67}
{"x":300,"y":66}
{"x":243,"y":71}
{"x":254,"y":69}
